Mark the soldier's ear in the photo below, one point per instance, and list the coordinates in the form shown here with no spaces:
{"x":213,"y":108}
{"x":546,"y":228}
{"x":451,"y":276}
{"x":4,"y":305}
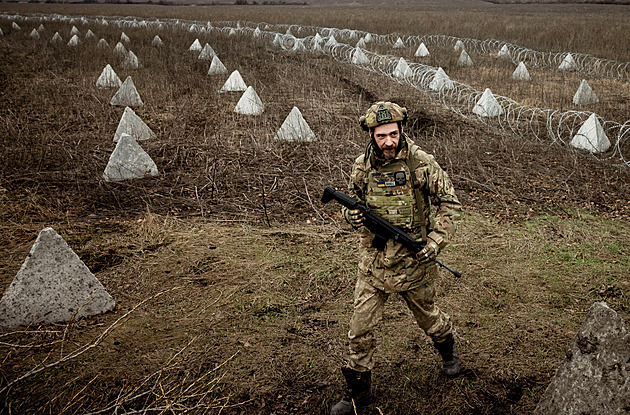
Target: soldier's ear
{"x":404,"y":113}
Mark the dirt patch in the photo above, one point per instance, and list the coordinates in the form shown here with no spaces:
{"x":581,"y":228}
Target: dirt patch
{"x":247,"y":278}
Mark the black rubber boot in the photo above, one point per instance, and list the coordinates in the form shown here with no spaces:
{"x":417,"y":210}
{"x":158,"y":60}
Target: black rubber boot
{"x":452,"y":365}
{"x":358,"y":392}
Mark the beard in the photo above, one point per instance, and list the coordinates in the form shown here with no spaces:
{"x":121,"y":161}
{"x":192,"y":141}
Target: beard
{"x":389,"y":153}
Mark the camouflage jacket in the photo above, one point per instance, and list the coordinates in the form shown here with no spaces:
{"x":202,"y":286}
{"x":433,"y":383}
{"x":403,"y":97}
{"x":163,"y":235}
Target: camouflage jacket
{"x":395,"y":268}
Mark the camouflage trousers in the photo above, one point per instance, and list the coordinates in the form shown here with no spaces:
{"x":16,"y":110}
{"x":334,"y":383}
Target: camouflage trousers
{"x":368,"y":311}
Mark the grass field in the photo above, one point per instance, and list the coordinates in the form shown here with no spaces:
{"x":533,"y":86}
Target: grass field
{"x":243,"y":279}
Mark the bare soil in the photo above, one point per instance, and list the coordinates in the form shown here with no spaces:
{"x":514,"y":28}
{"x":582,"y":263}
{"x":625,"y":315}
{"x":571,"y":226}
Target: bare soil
{"x":243,"y":279}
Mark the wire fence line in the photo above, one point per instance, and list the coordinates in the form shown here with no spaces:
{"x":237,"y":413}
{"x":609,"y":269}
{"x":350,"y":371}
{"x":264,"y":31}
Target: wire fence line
{"x":546,"y":125}
{"x":584,"y":63}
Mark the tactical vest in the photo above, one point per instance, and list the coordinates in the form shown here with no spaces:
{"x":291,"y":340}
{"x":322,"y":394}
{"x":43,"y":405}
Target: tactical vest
{"x":390,"y":194}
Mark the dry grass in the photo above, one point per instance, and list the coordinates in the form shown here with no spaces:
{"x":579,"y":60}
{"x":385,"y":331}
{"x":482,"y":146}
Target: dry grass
{"x":267,"y":272}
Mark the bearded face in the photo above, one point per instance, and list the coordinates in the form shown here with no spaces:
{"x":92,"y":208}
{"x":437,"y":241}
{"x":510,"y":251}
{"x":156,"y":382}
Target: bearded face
{"x":387,"y":137}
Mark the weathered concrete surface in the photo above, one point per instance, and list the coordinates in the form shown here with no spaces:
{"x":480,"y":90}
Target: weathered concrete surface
{"x":487,"y":106}
{"x":217,"y":67}
{"x":585,"y":95}
{"x":521,"y":73}
{"x":595,"y":377}
{"x":295,"y":128}
{"x":234,"y":83}
{"x":133,"y":125}
{"x":129,"y":161}
{"x":53,"y":285}
{"x":127,"y":95}
{"x":250,"y":103}
{"x":591,"y":136}
{"x":108,"y":78}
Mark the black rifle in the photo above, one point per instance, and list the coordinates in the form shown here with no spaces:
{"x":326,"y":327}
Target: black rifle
{"x":382,"y":229}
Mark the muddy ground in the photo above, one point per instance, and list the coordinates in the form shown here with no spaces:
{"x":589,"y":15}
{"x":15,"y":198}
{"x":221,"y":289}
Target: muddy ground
{"x":233,"y":283}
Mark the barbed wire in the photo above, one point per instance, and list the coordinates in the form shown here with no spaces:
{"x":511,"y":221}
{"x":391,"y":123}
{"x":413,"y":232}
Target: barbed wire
{"x":545,"y":125}
{"x":584,"y":63}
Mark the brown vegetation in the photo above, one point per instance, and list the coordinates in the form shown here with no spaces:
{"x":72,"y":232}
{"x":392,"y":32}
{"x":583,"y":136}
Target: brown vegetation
{"x":247,"y":278}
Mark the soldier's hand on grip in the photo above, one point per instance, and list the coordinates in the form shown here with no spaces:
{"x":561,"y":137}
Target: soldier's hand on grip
{"x":355,"y":218}
{"x":429,"y":252}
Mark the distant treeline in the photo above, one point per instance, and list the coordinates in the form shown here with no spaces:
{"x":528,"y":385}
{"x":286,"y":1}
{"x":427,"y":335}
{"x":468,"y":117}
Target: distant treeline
{"x":621,"y":2}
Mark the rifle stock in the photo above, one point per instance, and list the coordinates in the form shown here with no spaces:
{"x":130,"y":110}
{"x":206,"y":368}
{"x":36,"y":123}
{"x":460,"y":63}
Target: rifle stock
{"x":382,"y":229}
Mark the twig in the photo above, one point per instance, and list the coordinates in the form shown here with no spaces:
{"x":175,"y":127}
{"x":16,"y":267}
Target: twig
{"x":264,"y":203}
{"x":82,"y":349}
{"x":311,"y":202}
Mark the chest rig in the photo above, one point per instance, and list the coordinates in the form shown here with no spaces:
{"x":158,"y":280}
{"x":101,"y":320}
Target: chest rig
{"x":392,"y":194}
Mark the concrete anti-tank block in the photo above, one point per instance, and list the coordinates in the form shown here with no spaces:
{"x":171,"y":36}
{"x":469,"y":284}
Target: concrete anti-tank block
{"x":53,"y":285}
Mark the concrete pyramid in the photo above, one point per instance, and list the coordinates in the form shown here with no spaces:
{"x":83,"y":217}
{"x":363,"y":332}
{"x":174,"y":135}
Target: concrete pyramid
{"x":487,"y":106}
{"x":504,"y":52}
{"x":234,"y":83}
{"x":195,"y":46}
{"x":568,"y":63}
{"x":53,"y":285}
{"x":422,"y":51}
{"x":124,"y":38}
{"x":399,"y":44}
{"x":464,"y":59}
{"x":591,"y":136}
{"x":368,"y":37}
{"x":120,"y":51}
{"x":402,"y":69}
{"x":1,"y":32}
{"x":521,"y":73}
{"x":295,"y":128}
{"x":217,"y":67}
{"x":74,"y":41}
{"x":74,"y":31}
{"x":585,"y":95}
{"x":56,"y":39}
{"x":207,"y":53}
{"x":298,"y":46}
{"x":250,"y":103}
{"x":317,"y":38}
{"x":361,"y":44}
{"x":359,"y":58}
{"x":132,"y":125}
{"x":459,"y":45}
{"x":34,"y":34}
{"x":317,"y":47}
{"x":130,"y":62}
{"x":41,"y":28}
{"x":276,"y":40}
{"x":127,"y":95}
{"x":232,"y":32}
{"x":15,"y":27}
{"x":257,"y":33}
{"x":157,"y":41}
{"x":440,"y":81}
{"x":108,"y":79}
{"x":129,"y":161}
{"x":102,"y":44}
{"x":331,"y":41}
{"x":90,"y":35}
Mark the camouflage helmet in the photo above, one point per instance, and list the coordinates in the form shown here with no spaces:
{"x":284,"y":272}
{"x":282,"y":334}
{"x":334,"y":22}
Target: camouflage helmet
{"x":383,"y":113}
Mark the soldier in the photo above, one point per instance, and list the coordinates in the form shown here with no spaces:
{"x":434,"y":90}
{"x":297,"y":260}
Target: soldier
{"x":401,"y":183}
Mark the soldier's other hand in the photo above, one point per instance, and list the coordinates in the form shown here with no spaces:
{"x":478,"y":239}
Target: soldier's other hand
{"x":355,"y":218}
{"x":429,"y":252}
